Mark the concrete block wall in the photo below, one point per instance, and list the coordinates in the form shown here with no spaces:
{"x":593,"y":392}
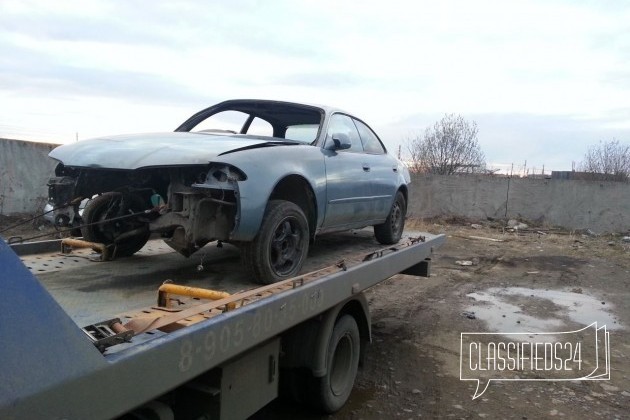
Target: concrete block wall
{"x":24,"y":171}
{"x":601,"y":206}
{"x":575,"y":204}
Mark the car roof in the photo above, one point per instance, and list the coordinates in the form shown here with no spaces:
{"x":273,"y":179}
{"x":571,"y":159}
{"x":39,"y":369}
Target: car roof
{"x":327,"y":109}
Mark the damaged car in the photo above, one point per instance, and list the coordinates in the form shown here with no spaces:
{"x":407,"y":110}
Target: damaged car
{"x":266,"y":176}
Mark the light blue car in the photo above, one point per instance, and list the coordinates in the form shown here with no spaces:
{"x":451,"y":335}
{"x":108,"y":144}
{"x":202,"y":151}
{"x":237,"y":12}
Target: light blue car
{"x":267,"y":176}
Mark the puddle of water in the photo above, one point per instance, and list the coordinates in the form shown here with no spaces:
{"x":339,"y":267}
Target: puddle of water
{"x":505,"y":317}
{"x":496,"y":307}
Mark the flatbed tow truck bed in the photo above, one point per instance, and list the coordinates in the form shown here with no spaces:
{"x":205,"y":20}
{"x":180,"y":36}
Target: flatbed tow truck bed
{"x":221,"y":362}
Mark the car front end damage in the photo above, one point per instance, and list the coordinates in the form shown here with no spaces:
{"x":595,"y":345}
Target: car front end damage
{"x":188,"y":206}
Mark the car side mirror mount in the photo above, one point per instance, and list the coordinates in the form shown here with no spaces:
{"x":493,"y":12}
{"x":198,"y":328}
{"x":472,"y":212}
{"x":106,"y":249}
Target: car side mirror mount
{"x":341,"y":141}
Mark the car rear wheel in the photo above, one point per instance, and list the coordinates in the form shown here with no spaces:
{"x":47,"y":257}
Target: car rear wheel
{"x":391,"y":231}
{"x":127,"y":234}
{"x":281,"y":245}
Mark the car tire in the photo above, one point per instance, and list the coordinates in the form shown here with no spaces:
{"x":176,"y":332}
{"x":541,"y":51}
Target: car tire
{"x":281,"y":245}
{"x":108,"y":206}
{"x":330,"y":392}
{"x":390,"y":232}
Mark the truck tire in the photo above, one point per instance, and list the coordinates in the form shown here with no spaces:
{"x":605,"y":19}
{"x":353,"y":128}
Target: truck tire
{"x":108,"y":206}
{"x":391,"y":231}
{"x":330,"y":392}
{"x":281,"y":245}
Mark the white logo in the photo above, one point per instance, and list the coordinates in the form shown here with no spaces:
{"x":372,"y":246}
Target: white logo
{"x":556,"y":356}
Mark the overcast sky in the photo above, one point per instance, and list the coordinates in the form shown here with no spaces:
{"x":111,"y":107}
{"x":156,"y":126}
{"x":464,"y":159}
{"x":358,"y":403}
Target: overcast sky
{"x":542,"y":79}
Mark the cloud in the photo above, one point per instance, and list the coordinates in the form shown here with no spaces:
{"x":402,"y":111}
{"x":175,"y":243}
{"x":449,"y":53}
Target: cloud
{"x":328,"y":79}
{"x":248,"y":25}
{"x":541,"y":77}
{"x":22,"y":72}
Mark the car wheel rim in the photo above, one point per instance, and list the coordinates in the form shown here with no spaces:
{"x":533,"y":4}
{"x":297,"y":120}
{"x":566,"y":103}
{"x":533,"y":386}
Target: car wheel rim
{"x":286,"y":246}
{"x":396,"y":218}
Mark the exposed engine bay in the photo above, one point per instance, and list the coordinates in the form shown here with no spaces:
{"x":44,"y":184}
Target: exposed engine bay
{"x":188,"y":205}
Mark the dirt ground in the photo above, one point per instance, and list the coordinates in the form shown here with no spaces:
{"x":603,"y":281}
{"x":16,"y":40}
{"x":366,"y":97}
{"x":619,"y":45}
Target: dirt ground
{"x":412,"y":367}
{"x":547,"y":281}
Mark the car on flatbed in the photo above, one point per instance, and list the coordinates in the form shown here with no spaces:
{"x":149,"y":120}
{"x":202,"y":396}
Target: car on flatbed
{"x":266,"y":176}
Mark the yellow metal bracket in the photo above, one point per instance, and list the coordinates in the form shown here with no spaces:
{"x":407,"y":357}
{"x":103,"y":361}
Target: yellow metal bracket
{"x":68,"y":244}
{"x":169,"y":289}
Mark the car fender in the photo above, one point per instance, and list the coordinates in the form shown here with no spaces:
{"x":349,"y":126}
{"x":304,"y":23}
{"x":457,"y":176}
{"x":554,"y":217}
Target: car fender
{"x":264,"y":168}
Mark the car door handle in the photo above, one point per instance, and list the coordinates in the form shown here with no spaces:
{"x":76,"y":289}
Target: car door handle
{"x":395,"y":168}
{"x":366,"y":167}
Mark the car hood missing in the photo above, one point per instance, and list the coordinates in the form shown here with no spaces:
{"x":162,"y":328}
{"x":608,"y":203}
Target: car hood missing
{"x":149,"y":150}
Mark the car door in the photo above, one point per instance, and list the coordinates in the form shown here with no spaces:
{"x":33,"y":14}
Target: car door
{"x":383,"y":171}
{"x":348,"y":192}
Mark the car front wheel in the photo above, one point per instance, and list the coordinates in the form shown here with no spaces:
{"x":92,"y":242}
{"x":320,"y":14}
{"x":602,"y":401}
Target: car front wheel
{"x":281,"y":245}
{"x":127,"y":233}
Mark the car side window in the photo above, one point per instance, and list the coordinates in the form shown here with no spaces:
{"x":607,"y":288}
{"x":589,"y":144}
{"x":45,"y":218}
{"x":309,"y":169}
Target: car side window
{"x":223,"y":122}
{"x":260,"y":127}
{"x":371,"y":143}
{"x":306,"y":133}
{"x":340,"y":123}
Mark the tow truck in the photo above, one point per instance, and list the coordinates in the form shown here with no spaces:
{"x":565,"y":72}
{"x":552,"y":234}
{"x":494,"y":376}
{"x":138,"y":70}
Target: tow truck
{"x":91,"y":339}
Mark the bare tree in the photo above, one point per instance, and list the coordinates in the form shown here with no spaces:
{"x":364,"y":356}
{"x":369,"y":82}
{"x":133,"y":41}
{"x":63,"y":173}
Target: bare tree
{"x":449,"y":147}
{"x":610,"y":158}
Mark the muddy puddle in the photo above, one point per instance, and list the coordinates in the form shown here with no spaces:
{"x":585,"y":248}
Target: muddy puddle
{"x":521,"y":310}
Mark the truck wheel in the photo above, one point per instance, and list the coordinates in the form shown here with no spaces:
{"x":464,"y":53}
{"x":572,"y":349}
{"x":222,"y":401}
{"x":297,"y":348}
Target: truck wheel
{"x":390,"y":232}
{"x":331,"y":391}
{"x":110,"y":205}
{"x":281,"y":245}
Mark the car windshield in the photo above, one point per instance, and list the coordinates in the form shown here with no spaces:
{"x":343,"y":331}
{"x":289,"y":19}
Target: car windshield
{"x":279,"y":120}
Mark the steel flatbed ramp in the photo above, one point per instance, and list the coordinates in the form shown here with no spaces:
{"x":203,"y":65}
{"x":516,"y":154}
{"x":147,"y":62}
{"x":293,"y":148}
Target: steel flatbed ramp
{"x":92,"y":291}
{"x":51,"y":368}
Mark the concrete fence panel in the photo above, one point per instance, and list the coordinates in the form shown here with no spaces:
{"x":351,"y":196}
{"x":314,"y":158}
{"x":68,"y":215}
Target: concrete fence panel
{"x":24,"y":171}
{"x":602,"y":206}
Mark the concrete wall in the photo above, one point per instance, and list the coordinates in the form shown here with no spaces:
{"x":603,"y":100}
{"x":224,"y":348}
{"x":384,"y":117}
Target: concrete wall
{"x":24,"y":171}
{"x":574,"y":204}
{"x":600,"y":206}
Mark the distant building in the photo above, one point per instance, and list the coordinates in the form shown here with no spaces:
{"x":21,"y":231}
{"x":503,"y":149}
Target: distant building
{"x":539,"y":176}
{"x":588,"y":176}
